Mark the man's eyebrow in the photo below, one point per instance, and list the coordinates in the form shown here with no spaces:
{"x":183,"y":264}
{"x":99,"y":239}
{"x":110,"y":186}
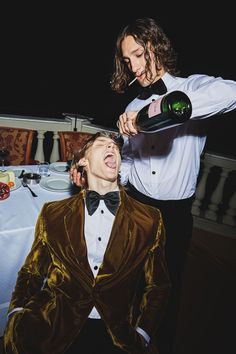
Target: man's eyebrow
{"x":106,"y":140}
{"x":133,"y":52}
{"x":101,"y":139}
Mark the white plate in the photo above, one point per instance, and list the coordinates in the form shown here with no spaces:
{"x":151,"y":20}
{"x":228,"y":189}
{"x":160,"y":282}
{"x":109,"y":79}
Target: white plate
{"x":58,"y":167}
{"x":17,"y":185}
{"x":56,"y":184}
{"x":17,"y":170}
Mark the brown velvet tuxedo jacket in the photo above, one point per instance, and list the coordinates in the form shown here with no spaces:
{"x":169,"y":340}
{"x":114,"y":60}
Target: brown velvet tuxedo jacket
{"x":57,"y":290}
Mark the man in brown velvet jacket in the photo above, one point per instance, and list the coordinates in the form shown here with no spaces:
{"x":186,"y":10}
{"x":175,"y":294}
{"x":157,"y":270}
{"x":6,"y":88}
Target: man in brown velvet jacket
{"x":95,"y":281}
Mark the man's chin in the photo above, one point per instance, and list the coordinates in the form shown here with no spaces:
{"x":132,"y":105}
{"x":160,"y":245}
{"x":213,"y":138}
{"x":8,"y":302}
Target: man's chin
{"x":112,"y":178}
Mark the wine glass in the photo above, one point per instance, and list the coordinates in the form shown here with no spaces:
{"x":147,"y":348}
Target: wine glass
{"x":4,"y":153}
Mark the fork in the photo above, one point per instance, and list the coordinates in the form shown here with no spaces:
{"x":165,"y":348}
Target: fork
{"x":26,"y":185}
{"x":21,"y":174}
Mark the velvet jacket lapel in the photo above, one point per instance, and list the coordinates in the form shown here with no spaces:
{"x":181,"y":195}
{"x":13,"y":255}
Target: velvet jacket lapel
{"x":72,"y":238}
{"x":122,"y":247}
{"x":117,"y":247}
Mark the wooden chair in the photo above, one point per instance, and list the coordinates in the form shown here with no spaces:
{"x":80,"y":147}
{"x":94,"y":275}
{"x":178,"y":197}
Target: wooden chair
{"x":18,"y":142}
{"x":71,"y":142}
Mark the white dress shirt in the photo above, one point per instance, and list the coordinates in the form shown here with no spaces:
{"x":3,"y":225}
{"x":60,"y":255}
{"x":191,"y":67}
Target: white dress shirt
{"x":165,"y":165}
{"x":97,"y":229}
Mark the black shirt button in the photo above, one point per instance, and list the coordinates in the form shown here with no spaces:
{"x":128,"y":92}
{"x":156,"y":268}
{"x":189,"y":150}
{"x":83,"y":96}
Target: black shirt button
{"x":102,"y":211}
{"x":153,"y":172}
{"x":95,"y":267}
{"x":99,"y":239}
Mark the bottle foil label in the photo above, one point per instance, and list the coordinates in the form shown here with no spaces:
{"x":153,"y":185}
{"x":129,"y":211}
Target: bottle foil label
{"x":154,"y":108}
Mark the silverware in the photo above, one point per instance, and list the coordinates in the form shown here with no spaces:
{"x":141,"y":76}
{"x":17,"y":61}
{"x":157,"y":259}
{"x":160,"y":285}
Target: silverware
{"x":21,"y":175}
{"x":26,"y":185}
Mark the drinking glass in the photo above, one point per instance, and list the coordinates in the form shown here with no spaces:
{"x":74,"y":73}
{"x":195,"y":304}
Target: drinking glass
{"x":4,"y":153}
{"x":43,"y":169}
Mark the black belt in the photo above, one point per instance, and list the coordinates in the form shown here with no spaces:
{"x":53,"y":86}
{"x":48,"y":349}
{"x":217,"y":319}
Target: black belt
{"x":133,"y":192}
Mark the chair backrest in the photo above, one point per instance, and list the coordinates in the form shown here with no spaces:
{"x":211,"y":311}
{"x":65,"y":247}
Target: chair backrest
{"x":71,"y":142}
{"x":18,"y":142}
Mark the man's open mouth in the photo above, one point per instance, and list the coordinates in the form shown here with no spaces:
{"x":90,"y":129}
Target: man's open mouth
{"x":110,"y":160}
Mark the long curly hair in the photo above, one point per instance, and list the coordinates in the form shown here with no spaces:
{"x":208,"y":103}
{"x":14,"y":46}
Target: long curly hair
{"x":145,"y":31}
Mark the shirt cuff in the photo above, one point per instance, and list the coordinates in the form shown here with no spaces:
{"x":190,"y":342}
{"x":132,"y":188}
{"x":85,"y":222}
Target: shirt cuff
{"x":14,"y":310}
{"x":143,"y":334}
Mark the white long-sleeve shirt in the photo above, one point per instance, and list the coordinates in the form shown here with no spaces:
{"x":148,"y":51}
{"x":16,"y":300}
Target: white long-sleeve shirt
{"x":165,"y":165}
{"x":97,"y":232}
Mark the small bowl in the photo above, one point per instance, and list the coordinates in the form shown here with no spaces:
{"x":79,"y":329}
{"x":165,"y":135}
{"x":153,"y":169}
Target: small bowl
{"x":31,"y":178}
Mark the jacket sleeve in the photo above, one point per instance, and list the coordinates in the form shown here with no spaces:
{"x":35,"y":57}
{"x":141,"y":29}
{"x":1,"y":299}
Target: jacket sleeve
{"x":32,"y":274}
{"x":157,"y":286}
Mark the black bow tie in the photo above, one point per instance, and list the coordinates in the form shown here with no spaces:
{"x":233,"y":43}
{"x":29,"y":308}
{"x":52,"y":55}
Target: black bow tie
{"x":111,"y":200}
{"x":158,"y":88}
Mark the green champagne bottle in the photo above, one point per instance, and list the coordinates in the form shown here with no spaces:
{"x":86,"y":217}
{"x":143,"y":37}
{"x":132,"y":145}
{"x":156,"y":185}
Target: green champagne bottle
{"x":172,"y":109}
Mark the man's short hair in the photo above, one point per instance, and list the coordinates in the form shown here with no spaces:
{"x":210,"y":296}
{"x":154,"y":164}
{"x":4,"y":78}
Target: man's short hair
{"x":118,"y":140}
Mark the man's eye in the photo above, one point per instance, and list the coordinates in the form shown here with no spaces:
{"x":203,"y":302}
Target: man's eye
{"x":139,"y":54}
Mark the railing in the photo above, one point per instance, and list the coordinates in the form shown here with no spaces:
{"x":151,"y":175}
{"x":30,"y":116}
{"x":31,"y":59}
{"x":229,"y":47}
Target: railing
{"x":214,"y":208}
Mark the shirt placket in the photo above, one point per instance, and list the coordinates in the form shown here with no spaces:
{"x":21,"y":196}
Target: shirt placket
{"x":98,"y":248}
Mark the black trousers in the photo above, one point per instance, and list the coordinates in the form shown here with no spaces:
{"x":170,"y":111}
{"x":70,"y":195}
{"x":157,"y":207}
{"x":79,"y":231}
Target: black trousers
{"x":94,"y":339}
{"x":178,"y":222}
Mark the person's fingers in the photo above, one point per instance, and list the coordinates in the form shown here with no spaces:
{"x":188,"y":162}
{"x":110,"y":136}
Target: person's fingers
{"x":126,"y":123}
{"x":122,"y":123}
{"x":130,"y":123}
{"x":71,"y":173}
{"x":78,"y":181}
{"x":75,"y":176}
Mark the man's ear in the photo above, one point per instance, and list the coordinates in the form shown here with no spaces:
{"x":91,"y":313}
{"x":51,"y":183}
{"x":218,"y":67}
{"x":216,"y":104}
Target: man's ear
{"x":83,"y":162}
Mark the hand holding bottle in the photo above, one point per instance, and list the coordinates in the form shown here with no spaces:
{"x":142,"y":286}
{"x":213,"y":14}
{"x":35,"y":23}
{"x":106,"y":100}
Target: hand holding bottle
{"x":127,"y":123}
{"x":172,"y":109}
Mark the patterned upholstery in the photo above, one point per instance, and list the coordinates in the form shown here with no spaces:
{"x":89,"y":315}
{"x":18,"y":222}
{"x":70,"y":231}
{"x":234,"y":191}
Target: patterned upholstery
{"x":18,"y":142}
{"x":71,"y":142}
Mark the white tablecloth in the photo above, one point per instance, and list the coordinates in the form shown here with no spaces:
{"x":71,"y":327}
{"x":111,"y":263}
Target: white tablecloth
{"x":18,"y":215}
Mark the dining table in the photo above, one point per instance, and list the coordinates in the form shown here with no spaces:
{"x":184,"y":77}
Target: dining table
{"x":18,"y":216}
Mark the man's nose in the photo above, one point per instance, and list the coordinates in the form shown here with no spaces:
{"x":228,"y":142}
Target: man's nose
{"x":111,"y":145}
{"x":134,"y":66}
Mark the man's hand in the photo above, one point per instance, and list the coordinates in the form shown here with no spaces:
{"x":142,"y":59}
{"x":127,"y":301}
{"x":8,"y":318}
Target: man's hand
{"x":127,"y":123}
{"x":76,"y":177}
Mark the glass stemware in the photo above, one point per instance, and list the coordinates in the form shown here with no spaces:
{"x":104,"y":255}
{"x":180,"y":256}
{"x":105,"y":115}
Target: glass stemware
{"x":4,"y":153}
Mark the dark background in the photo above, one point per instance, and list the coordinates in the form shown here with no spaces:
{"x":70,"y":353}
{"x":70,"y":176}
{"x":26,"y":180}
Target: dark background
{"x":59,"y":58}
